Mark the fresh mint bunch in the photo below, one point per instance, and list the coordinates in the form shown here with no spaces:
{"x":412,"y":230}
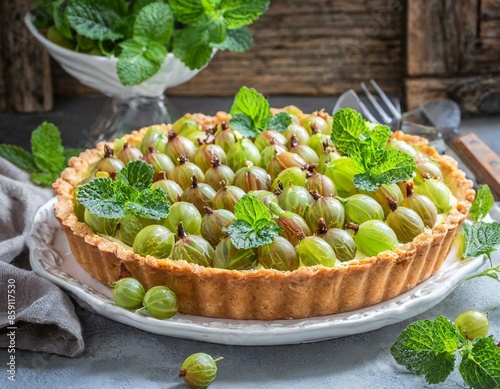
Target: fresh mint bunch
{"x":254,"y":225}
{"x":48,"y":157}
{"x":251,"y":114}
{"x":129,"y":193}
{"x":365,"y":144}
{"x":429,"y":348}
{"x":141,"y":33}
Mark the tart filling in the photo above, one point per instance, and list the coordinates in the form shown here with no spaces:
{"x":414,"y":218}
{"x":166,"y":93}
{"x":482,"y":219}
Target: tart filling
{"x":352,"y":282}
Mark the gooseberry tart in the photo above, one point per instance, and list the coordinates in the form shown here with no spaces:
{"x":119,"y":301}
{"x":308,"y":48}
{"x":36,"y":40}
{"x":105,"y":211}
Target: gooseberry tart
{"x":332,"y":247}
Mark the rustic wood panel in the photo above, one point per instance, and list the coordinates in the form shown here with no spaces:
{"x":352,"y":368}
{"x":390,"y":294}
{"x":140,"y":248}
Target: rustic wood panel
{"x":440,"y":33}
{"x":474,"y":94}
{"x":26,"y":84}
{"x":314,"y":47}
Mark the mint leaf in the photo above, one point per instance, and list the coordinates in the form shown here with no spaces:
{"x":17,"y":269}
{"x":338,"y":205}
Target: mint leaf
{"x":47,"y":148}
{"x":93,"y":21}
{"x":392,"y":166}
{"x":130,"y":193}
{"x":365,"y":145}
{"x":61,"y":20}
{"x":254,"y":225}
{"x":428,"y":348}
{"x":191,"y":46}
{"x":244,"y":125}
{"x":19,"y":157}
{"x":238,"y":40}
{"x":188,"y":11}
{"x":279,"y":122}
{"x":244,"y":236}
{"x":137,"y":174}
{"x":480,"y":366}
{"x":150,"y":204}
{"x":139,"y":60}
{"x":217,"y":31}
{"x":239,"y":13}
{"x":482,"y":204}
{"x":480,"y":238}
{"x":155,"y":22}
{"x":99,"y":197}
{"x":251,"y":210}
{"x":251,"y":103}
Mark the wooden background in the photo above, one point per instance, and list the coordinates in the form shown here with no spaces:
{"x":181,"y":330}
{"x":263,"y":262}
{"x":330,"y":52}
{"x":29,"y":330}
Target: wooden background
{"x":416,"y":49}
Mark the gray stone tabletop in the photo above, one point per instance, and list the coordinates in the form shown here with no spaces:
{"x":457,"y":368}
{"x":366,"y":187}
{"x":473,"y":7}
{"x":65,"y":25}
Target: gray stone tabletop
{"x":119,"y":356}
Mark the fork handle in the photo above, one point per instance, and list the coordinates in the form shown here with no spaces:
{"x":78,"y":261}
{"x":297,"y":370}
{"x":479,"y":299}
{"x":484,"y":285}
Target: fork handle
{"x":480,"y":159}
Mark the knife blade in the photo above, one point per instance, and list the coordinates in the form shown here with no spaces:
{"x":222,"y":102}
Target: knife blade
{"x":474,"y":156}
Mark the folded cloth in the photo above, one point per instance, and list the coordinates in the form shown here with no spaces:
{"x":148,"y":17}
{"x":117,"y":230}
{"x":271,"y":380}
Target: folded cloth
{"x":45,"y":317}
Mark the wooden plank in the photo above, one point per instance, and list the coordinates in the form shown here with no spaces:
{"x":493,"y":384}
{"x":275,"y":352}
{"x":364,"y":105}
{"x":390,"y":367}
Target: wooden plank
{"x":439,"y":34}
{"x":27,"y":84}
{"x":314,"y":47}
{"x":475,"y":94}
{"x":490,"y":9}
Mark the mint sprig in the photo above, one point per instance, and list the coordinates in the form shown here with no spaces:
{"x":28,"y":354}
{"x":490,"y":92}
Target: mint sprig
{"x":429,"y":348}
{"x":141,"y":33}
{"x":251,"y":114}
{"x":254,"y":225}
{"x":48,"y":157}
{"x":129,"y":193}
{"x":365,"y":145}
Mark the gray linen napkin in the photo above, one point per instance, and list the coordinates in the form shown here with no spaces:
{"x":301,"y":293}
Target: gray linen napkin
{"x":45,"y":317}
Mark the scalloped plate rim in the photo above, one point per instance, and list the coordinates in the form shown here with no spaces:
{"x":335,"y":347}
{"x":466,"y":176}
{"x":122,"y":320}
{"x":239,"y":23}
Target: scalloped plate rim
{"x":247,"y":332}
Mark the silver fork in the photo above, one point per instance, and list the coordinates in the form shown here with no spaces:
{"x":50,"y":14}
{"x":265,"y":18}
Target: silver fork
{"x":390,"y":115}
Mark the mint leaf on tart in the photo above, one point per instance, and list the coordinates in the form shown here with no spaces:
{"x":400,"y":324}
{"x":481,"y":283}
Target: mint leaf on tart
{"x":279,"y":122}
{"x":137,"y":174}
{"x":254,"y":225}
{"x":251,"y":103}
{"x":365,"y":144}
{"x":102,"y":198}
{"x":129,"y":193}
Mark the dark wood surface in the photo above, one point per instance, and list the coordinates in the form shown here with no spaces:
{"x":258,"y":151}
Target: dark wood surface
{"x":25,"y":76}
{"x":452,"y":51}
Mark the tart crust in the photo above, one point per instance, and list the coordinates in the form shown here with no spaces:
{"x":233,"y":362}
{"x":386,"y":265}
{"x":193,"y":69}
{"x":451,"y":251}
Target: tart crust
{"x":266,"y":294}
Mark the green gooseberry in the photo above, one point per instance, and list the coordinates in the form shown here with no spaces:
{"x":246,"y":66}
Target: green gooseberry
{"x":128,"y":293}
{"x":161,"y":302}
{"x":154,"y":240}
{"x":374,"y":236}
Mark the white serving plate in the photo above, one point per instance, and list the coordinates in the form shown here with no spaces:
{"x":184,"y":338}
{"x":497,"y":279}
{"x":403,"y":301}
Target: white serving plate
{"x":51,"y":258}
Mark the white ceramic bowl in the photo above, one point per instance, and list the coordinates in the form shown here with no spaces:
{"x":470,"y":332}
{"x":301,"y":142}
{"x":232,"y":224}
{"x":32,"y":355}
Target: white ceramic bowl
{"x":100,"y":72}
